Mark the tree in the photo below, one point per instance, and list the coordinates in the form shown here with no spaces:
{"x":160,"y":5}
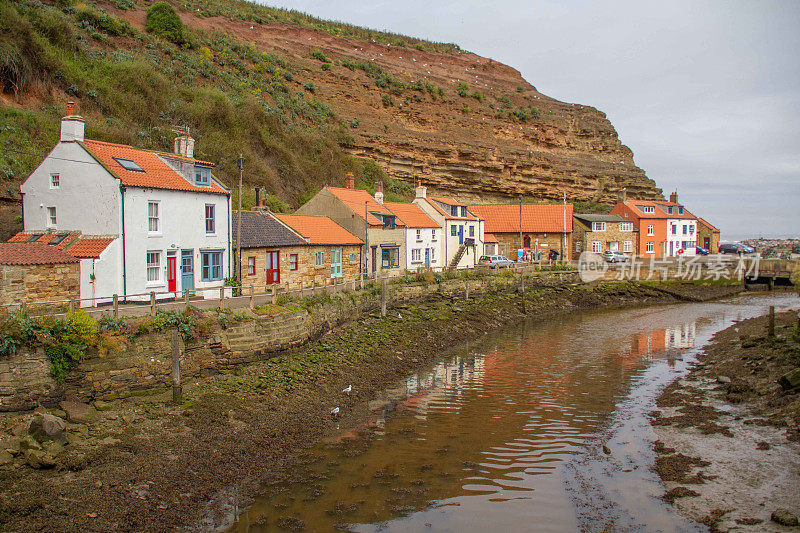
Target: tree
{"x":163,"y":21}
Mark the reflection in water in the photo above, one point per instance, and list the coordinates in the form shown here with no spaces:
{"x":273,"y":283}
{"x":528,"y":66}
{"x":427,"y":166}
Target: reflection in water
{"x":502,"y":434}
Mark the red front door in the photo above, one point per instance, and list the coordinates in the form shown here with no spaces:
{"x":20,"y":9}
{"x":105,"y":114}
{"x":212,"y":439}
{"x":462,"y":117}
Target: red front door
{"x":172,"y":284}
{"x":273,"y":267}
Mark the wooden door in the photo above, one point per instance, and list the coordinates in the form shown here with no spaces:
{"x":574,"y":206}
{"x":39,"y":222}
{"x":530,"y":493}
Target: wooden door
{"x":172,"y":281}
{"x":273,"y":267}
{"x":336,"y":262}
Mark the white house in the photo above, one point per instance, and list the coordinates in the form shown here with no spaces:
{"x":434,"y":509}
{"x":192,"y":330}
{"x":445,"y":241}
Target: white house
{"x":167,"y":217}
{"x":424,"y":237}
{"x":463,"y":231}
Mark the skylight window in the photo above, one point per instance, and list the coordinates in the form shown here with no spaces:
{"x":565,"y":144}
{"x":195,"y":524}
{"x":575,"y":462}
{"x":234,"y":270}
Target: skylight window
{"x":58,"y":239}
{"x":35,"y":237}
{"x":128,"y":164}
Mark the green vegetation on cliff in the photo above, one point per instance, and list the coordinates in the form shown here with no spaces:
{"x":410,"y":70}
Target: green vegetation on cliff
{"x":135,"y":87}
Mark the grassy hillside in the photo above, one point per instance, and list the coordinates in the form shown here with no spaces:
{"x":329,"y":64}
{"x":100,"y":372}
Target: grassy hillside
{"x":134,"y":87}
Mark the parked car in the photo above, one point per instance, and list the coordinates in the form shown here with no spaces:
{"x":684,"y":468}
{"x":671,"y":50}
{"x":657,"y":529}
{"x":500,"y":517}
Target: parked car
{"x":699,"y":250}
{"x":495,"y":261}
{"x":735,"y":249}
{"x":747,"y":249}
{"x":615,"y":256}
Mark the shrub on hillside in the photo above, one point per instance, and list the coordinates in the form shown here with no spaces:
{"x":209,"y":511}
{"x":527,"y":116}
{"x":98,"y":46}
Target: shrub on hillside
{"x":163,"y":21}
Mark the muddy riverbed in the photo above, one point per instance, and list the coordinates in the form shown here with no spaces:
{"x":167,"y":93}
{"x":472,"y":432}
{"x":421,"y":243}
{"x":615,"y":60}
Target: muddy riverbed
{"x":544,"y":425}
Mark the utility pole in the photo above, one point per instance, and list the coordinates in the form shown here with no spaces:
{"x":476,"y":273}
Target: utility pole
{"x":564,"y":229}
{"x":366,"y":238}
{"x":240,"y":164}
{"x":521,"y":242}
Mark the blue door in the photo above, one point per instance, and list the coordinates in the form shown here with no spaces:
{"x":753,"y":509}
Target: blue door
{"x":427,"y":257}
{"x":336,"y":262}
{"x":461,"y":234}
{"x":187,"y":270}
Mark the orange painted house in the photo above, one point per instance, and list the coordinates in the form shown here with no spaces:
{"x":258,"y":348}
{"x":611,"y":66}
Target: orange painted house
{"x":665,"y":229}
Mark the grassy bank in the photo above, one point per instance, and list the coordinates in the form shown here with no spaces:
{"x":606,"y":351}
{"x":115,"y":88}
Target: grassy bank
{"x":143,"y":464}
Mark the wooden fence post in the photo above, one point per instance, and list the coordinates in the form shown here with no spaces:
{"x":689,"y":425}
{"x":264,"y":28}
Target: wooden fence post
{"x":522,"y":290}
{"x":71,"y":305}
{"x":383,"y":296}
{"x":152,"y":303}
{"x":466,"y":289}
{"x":274,"y":291}
{"x":222,"y":297}
{"x":252,"y":288}
{"x":186,"y":299}
{"x":176,"y":367}
{"x":115,"y":305}
{"x":771,"y":327}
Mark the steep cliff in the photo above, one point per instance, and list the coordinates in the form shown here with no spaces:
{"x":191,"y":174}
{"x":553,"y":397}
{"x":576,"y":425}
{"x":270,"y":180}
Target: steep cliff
{"x":302,"y":99}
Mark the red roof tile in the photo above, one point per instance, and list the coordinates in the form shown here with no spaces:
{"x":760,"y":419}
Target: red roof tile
{"x":90,"y":247}
{"x":355,"y":199}
{"x":411,"y":215}
{"x":535,"y":218}
{"x":157,"y":174}
{"x":32,"y":253}
{"x":448,"y":201}
{"x":489,"y":237}
{"x":706,"y":223}
{"x":319,"y":230}
{"x":660,"y":209}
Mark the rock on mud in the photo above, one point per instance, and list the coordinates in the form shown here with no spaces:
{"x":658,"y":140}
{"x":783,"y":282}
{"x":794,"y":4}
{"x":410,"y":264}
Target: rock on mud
{"x":784,"y":517}
{"x":47,"y":427}
{"x":77,"y":412}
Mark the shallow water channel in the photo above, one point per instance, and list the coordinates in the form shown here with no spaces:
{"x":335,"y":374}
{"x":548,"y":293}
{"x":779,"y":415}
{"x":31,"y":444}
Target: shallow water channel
{"x":506,"y":433}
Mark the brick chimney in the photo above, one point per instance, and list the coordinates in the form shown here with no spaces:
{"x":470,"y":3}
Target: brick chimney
{"x":350,"y":181}
{"x":379,"y":194}
{"x":184,"y":144}
{"x":674,"y":197}
{"x":72,"y":125}
{"x":623,"y":195}
{"x":421,"y":192}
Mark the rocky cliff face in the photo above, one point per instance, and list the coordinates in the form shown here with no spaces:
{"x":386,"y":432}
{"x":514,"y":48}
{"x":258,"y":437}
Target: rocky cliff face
{"x":500,"y":138}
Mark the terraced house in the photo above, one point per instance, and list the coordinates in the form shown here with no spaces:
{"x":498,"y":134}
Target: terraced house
{"x":462,"y":230}
{"x":295,"y":248}
{"x":165,"y":217}
{"x":366,"y":218}
{"x":602,"y":233}
{"x":666,"y":229}
{"x":424,"y":239}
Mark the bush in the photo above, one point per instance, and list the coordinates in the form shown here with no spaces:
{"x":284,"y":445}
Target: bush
{"x":387,"y":100}
{"x":164,"y":22}
{"x":326,"y":66}
{"x":462,"y":89}
{"x":316,"y":53}
{"x":310,"y":87}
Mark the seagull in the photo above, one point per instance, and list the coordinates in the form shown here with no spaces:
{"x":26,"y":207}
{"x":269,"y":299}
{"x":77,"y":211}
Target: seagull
{"x":348,"y":390}
{"x":335,"y":412}
{"x":399,"y":315}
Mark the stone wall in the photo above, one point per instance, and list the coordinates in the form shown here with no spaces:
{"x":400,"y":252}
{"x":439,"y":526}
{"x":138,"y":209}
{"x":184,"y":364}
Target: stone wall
{"x":585,"y":237}
{"x":306,"y":271}
{"x":509,"y":243}
{"x":39,"y":283}
{"x":145,"y":362}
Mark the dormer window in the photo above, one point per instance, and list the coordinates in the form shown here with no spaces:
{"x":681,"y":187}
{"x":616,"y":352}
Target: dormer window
{"x":669,"y":210}
{"x":128,"y":164}
{"x":463,"y":211}
{"x":202,"y":176}
{"x":648,"y":209}
{"x":388,"y":222}
{"x":454,"y":210}
{"x":680,"y":210}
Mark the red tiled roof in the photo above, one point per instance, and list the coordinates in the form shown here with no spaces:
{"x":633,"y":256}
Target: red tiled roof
{"x":706,"y":223}
{"x":319,"y":230}
{"x":447,"y":201}
{"x":489,"y":237}
{"x":660,"y":209}
{"x":157,"y":174}
{"x":411,"y":215}
{"x":535,"y":218}
{"x":90,"y":247}
{"x":32,"y":253}
{"x":46,"y":237}
{"x":355,"y":199}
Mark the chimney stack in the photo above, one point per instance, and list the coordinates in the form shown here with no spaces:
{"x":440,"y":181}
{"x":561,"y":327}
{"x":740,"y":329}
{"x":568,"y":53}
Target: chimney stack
{"x":184,"y":144}
{"x":72,"y":125}
{"x":379,"y":194}
{"x":420,"y":191}
{"x":350,"y":181}
{"x":674,"y":197}
{"x":623,"y":195}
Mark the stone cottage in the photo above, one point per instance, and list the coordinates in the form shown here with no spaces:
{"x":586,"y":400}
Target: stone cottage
{"x":34,"y":272}
{"x":293,"y":248}
{"x":601,"y":233}
{"x":707,"y":236}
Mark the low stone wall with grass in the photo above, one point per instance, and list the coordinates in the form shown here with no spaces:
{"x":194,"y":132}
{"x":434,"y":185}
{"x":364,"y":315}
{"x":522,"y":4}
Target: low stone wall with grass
{"x":78,"y":357}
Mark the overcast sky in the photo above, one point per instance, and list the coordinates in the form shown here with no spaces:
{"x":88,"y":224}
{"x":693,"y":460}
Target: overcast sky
{"x":706,"y":94}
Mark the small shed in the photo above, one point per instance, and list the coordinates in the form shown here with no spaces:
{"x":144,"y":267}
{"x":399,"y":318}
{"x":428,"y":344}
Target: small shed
{"x":31,"y":272}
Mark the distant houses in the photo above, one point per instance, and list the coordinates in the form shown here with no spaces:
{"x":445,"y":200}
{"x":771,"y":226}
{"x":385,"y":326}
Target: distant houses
{"x":104,"y":219}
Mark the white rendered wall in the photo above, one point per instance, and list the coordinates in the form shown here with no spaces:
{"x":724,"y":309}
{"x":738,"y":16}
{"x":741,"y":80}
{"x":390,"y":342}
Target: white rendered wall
{"x":107,"y":276}
{"x":427,"y":242}
{"x":181,"y":226}
{"x":679,"y":237}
